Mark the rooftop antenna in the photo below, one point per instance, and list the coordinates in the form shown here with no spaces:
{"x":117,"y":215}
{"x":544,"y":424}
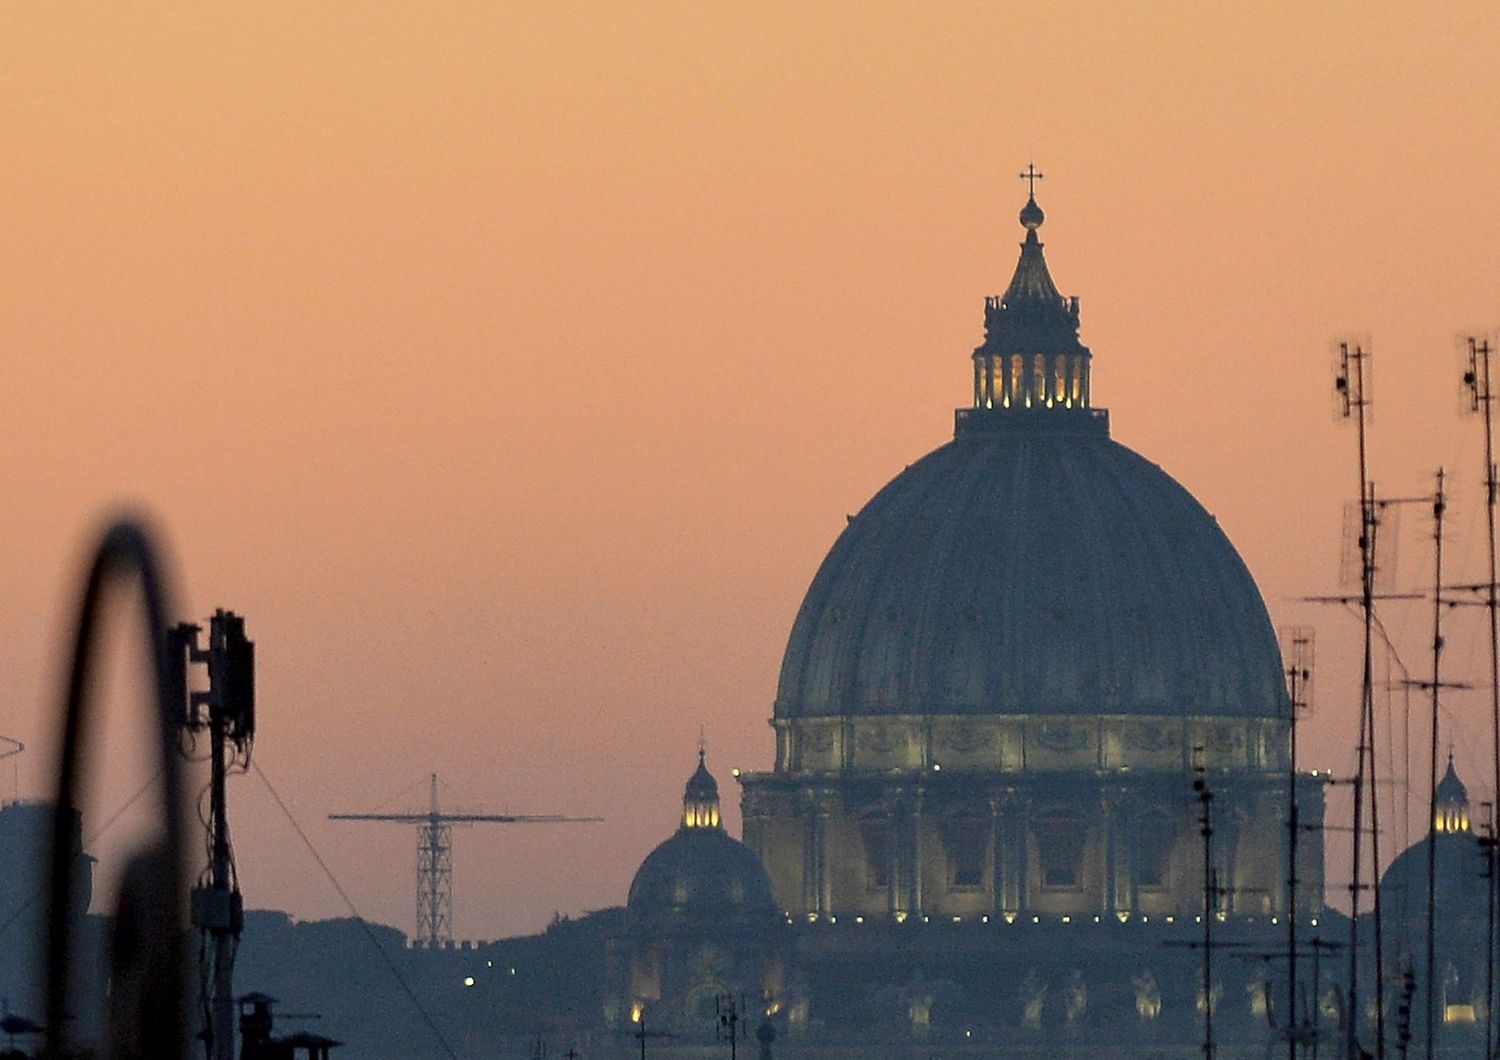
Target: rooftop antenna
{"x":642,"y":1035}
{"x":1482,"y":400}
{"x":1435,"y":687}
{"x":1353,"y":394}
{"x":1487,"y":848}
{"x":727,"y":1025}
{"x":1297,"y":656}
{"x":226,"y":711}
{"x":435,"y":856}
{"x":1210,"y":904}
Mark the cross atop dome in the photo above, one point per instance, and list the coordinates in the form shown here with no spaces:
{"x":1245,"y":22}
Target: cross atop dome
{"x":1031,"y":176}
{"x":1031,"y":214}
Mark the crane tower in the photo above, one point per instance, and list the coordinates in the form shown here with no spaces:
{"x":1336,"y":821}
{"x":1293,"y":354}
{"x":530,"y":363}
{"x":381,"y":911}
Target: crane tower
{"x":435,"y":856}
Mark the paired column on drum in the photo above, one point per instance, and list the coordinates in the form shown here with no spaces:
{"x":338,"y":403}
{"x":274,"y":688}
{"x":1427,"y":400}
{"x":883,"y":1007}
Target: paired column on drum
{"x":1120,"y":837}
{"x":1009,"y":826}
{"x":816,"y":877}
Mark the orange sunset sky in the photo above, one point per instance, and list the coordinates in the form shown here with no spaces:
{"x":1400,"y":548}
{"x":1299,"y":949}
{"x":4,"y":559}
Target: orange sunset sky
{"x":512,"y":367}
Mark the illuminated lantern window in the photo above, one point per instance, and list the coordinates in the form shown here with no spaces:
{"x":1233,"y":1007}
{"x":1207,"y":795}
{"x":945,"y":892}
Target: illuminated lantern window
{"x":1450,"y":810}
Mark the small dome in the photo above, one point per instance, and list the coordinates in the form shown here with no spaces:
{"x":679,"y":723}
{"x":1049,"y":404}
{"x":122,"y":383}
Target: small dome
{"x":702,"y":875}
{"x":1459,"y":896}
{"x":1032,"y":215}
{"x":1458,"y":856}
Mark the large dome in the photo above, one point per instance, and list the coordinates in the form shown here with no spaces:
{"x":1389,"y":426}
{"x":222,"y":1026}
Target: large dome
{"x":1032,"y":567}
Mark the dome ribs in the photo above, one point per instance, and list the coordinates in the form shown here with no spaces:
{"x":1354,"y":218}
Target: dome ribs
{"x":1030,"y":573}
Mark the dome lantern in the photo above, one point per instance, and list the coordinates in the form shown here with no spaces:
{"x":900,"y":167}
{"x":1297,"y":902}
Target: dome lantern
{"x":700,"y":800}
{"x":1450,"y":810}
{"x":1031,"y":361}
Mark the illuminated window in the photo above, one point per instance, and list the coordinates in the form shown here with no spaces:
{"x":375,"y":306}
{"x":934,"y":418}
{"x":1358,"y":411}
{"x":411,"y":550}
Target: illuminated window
{"x":1017,"y":385}
{"x":1038,"y":377}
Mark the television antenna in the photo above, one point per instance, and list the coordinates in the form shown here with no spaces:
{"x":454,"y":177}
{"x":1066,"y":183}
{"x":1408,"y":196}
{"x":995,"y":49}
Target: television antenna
{"x":1481,"y":395}
{"x":1297,"y":656}
{"x":1353,"y":393}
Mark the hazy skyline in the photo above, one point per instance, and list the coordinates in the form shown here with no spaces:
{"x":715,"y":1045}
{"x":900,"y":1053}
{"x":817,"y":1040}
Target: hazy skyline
{"x":512,"y":368}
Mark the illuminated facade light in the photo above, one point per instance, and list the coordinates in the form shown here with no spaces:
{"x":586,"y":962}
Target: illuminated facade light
{"x":468,"y":980}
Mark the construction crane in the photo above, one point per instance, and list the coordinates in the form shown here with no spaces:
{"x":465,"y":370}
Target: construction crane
{"x":435,"y":856}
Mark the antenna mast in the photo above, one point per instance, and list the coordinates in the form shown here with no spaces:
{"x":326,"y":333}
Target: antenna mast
{"x":1210,"y":904}
{"x":1482,"y":400}
{"x":1438,"y":507}
{"x":1298,"y":658}
{"x":1351,"y":384}
{"x":226,"y":712}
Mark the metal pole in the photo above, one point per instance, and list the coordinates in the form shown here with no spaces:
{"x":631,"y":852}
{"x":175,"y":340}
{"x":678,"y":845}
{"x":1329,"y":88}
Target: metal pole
{"x":221,"y":924}
{"x":1356,"y":389}
{"x":1291,"y":1020}
{"x":1432,"y":832}
{"x":1479,"y":362}
{"x":1206,"y":830}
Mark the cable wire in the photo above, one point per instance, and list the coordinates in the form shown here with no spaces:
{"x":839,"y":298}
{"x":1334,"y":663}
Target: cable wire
{"x":349,"y":902}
